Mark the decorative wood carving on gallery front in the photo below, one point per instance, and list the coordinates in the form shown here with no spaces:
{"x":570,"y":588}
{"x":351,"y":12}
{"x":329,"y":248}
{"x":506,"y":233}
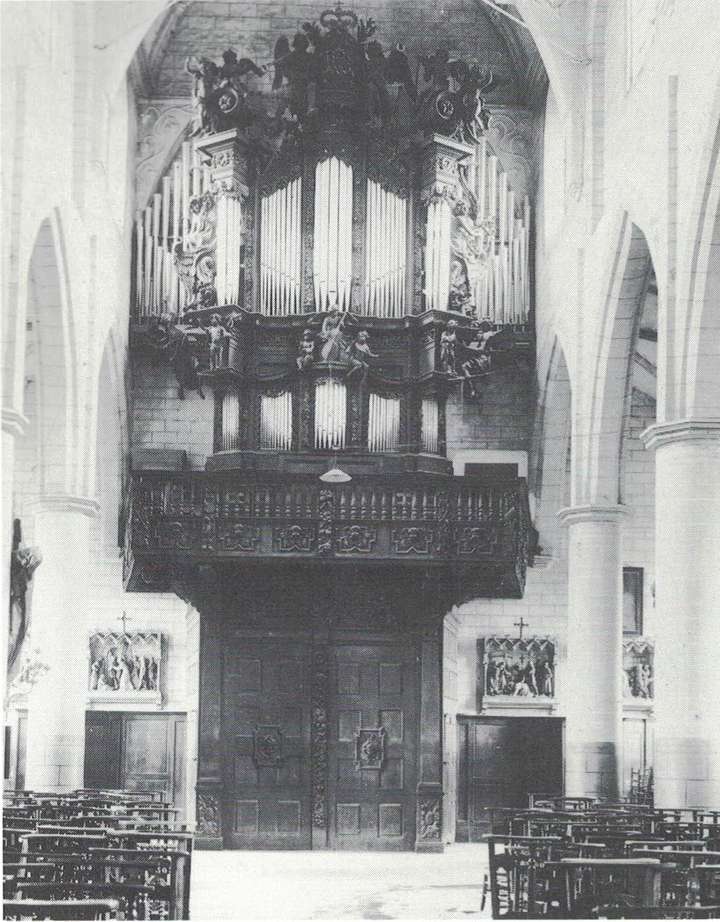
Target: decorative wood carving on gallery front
{"x":125,"y":666}
{"x":517,"y":669}
{"x":370,"y":748}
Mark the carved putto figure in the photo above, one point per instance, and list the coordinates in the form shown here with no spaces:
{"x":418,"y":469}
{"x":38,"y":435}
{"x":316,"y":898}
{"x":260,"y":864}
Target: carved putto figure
{"x":219,"y":92}
{"x":218,"y":336}
{"x":306,"y":351}
{"x":361,"y":355}
{"x":448,"y":347}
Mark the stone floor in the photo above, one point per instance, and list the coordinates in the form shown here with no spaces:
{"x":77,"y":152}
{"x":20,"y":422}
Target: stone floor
{"x":338,"y":885}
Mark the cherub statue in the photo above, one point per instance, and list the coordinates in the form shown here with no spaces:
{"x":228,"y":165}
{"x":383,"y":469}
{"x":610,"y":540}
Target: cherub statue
{"x":477,"y":361}
{"x":205,"y":75}
{"x":448,"y":344}
{"x":306,"y":351}
{"x":217,"y":337}
{"x":361,"y":354}
{"x":233,"y":69}
{"x":298,"y":68}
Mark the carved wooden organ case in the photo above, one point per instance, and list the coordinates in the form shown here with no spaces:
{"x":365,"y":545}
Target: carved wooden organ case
{"x":309,"y":279}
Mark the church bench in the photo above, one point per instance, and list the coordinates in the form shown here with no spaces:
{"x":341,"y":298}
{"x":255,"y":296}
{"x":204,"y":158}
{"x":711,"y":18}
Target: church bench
{"x":177,"y":859}
{"x":600,"y":882}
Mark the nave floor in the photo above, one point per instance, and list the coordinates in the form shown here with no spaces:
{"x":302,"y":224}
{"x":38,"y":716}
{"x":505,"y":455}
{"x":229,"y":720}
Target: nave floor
{"x":338,"y":885}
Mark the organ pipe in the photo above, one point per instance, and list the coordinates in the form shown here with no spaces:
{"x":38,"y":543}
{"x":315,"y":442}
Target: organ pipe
{"x":230,"y":421}
{"x":383,"y":423}
{"x":280,"y":250}
{"x":332,"y":253}
{"x":430,"y":425}
{"x":330,"y":414}
{"x":385,"y":252}
{"x":276,"y":422}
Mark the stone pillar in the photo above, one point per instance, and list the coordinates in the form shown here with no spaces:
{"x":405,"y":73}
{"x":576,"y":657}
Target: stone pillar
{"x":593,"y":672}
{"x":686,"y":624}
{"x":56,"y":704}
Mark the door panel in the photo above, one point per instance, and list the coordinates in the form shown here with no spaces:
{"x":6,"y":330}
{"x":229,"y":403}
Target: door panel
{"x":137,"y":752}
{"x":266,"y":734}
{"x":372,"y":746}
{"x":503,"y":760}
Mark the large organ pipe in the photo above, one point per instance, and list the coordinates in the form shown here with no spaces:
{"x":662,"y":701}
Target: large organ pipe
{"x":430,"y":424}
{"x":138,"y":264}
{"x":147,"y":288}
{"x":230,"y":430}
{"x":185,"y":166}
{"x":165,"y":210}
{"x":177,"y":201}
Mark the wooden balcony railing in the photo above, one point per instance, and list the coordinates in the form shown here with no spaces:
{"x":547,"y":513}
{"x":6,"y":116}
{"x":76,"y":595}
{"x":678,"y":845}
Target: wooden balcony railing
{"x":476,"y":533}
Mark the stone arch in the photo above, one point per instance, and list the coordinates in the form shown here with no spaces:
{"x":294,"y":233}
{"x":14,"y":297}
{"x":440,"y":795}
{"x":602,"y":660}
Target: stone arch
{"x":699,"y":380}
{"x":110,"y":448}
{"x":611,"y":378}
{"x":548,"y":474}
{"x":49,"y":348}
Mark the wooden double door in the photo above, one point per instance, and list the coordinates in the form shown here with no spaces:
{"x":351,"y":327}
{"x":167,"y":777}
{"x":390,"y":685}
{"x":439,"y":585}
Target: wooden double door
{"x":319,"y":743}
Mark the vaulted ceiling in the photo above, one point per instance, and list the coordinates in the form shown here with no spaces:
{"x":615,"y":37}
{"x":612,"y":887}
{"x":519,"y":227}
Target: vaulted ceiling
{"x":468,"y":28}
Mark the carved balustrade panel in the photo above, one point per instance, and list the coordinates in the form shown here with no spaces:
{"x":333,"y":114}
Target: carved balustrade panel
{"x":204,"y":518}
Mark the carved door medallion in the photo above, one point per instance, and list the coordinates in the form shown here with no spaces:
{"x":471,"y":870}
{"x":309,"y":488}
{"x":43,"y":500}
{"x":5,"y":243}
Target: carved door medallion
{"x":370,"y":748}
{"x":268,"y":747}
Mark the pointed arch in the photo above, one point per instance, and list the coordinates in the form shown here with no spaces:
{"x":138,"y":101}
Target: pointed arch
{"x":611,"y":381}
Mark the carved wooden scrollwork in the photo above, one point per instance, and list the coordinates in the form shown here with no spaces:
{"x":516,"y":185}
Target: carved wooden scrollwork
{"x":429,"y":811}
{"x":208,"y":821}
{"x":319,"y":737}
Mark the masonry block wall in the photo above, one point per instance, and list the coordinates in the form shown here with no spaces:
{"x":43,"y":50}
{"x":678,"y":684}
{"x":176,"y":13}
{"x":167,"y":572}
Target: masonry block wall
{"x":160,"y":419}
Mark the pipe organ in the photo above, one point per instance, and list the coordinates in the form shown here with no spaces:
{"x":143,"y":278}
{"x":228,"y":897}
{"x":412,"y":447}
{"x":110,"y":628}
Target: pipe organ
{"x":430,"y":425}
{"x":383,"y":423}
{"x":276,"y":421}
{"x":281,"y":250}
{"x":230,"y":421}
{"x":332,"y":250}
{"x":385,"y":252}
{"x":476,"y":235}
{"x":330,"y":414}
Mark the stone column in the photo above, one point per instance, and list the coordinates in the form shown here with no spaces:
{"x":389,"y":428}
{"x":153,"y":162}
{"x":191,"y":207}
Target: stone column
{"x":686,"y":624}
{"x":56,"y":704}
{"x":593,"y":671}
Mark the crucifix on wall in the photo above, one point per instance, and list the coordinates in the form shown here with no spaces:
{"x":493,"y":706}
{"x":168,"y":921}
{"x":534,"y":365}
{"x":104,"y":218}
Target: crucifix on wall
{"x":124,"y":618}
{"x":520,"y":625}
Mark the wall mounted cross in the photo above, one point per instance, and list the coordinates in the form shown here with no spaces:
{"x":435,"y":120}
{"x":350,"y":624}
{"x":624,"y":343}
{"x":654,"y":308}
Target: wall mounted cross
{"x":521,"y":624}
{"x":124,"y":618}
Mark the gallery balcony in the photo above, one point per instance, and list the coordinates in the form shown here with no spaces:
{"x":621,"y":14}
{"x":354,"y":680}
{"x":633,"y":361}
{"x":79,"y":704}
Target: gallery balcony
{"x":471,"y":536}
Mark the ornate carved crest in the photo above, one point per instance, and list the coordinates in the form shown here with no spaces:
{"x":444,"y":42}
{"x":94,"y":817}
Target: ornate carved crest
{"x":125,"y":664}
{"x":514,"y":667}
{"x":267,"y":747}
{"x":412,"y":540}
{"x":370,"y":748}
{"x":639,"y":668}
{"x":294,"y":539}
{"x":355,"y":539}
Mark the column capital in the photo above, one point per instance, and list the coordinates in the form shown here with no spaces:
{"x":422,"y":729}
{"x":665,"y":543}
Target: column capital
{"x":590,"y":513}
{"x":64,"y":502}
{"x":681,"y":430}
{"x":13,"y":422}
